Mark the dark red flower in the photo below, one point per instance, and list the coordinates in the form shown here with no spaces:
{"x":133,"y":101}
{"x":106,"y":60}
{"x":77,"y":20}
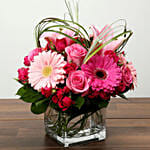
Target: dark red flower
{"x":46,"y":91}
{"x":65,"y":103}
{"x":93,"y":94}
{"x":104,"y":95}
{"x":66,"y":90}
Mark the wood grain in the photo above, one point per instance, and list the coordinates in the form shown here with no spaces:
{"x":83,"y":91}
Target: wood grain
{"x":128,"y":127}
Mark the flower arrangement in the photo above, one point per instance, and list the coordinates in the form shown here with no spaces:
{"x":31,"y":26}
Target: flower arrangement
{"x":75,"y":71}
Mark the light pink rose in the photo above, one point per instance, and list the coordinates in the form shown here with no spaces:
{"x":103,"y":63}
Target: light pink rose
{"x":126,"y":75}
{"x":77,"y":82}
{"x":76,"y":53}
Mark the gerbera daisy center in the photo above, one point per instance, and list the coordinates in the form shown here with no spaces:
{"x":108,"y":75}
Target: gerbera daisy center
{"x":101,"y":74}
{"x":47,"y":71}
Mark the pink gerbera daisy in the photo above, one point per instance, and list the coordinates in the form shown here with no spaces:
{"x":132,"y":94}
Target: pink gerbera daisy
{"x":47,"y":70}
{"x":103,"y":73}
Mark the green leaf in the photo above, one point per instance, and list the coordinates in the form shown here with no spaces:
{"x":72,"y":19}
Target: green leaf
{"x":40,"y":106}
{"x":122,"y":96}
{"x":79,"y":102}
{"x":29,"y":95}
{"x":21,"y":91}
{"x":103,"y":103}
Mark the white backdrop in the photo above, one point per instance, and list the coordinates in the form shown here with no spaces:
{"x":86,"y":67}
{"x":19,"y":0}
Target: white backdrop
{"x":19,"y":17}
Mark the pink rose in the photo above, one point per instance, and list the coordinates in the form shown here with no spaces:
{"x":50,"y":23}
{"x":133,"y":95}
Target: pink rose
{"x":76,"y":53}
{"x":133,"y":73}
{"x":126,"y":75}
{"x":33,"y":53}
{"x":65,"y":103}
{"x":77,"y":82}
{"x":23,"y":74}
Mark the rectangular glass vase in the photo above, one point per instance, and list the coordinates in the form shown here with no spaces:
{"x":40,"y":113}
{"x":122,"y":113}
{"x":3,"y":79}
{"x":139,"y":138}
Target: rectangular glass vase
{"x":85,"y":127}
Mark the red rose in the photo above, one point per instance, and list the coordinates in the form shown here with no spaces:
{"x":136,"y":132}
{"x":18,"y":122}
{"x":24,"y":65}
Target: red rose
{"x":65,"y":103}
{"x":121,"y":88}
{"x":60,"y":44}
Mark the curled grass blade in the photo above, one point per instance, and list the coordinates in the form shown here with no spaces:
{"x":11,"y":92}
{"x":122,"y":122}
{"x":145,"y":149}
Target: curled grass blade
{"x":106,"y":43}
{"x":42,"y":24}
{"x":77,"y":41}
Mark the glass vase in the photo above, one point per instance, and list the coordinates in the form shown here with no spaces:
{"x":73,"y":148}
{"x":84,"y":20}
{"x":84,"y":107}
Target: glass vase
{"x":82,"y":128}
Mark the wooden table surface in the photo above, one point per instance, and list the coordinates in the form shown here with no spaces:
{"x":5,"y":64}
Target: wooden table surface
{"x":128,"y":127}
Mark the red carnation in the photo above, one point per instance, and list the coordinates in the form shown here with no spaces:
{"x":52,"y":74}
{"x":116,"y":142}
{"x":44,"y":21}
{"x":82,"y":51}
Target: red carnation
{"x":70,"y":67}
{"x":46,"y":91}
{"x":60,"y":93}
{"x":26,"y":61}
{"x":23,"y":74}
{"x":112,"y":54}
{"x":55,"y":99}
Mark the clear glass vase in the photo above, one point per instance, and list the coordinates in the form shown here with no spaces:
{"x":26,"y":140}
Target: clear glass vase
{"x":67,"y":130}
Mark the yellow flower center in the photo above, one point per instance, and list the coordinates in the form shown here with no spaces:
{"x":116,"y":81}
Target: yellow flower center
{"x":47,"y":71}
